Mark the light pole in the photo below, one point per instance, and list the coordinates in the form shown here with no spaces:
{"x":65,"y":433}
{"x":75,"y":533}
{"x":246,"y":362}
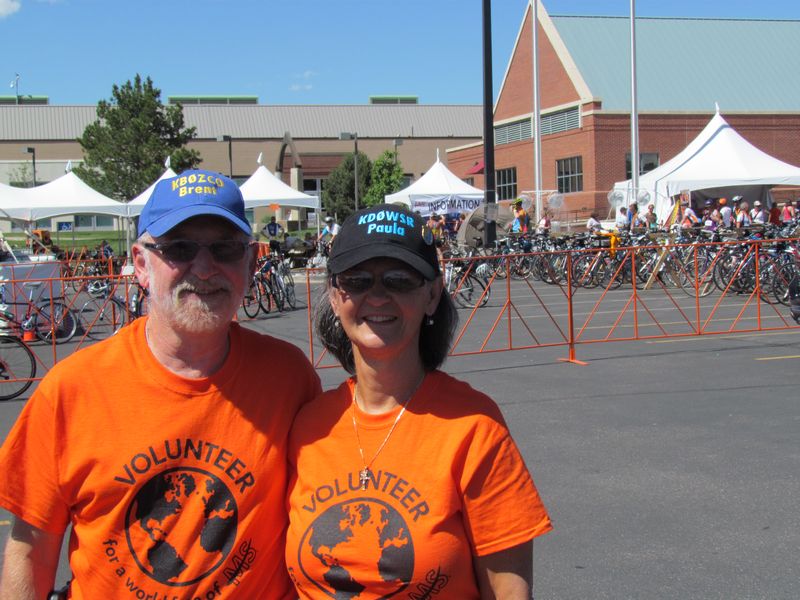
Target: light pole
{"x":397,"y":142}
{"x":32,"y":151}
{"x":229,"y":139}
{"x":346,"y":135}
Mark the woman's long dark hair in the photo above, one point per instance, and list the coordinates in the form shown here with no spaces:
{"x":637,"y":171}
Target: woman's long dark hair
{"x":434,"y":340}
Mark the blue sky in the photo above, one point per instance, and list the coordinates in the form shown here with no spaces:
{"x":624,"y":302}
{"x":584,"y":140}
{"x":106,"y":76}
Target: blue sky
{"x":288,"y":51}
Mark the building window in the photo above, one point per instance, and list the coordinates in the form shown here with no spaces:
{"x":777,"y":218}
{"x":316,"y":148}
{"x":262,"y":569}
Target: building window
{"x":569,"y":174}
{"x":647,"y":162}
{"x":469,"y":180}
{"x":563,"y":120}
{"x":512,"y":132}
{"x":506,"y":183}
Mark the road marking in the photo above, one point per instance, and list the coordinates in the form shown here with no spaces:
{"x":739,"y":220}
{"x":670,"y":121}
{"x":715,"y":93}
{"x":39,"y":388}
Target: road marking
{"x":707,"y":336}
{"x":5,"y":523}
{"x":779,"y":357}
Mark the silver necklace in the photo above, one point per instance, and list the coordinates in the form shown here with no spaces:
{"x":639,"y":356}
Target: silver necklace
{"x":365,"y":474}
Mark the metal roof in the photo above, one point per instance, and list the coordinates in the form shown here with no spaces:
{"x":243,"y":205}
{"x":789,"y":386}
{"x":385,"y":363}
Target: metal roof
{"x":54,"y":122}
{"x":688,"y":64}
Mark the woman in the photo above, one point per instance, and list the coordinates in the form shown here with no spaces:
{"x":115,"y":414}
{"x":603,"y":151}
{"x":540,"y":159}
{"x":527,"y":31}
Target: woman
{"x":403,"y":479}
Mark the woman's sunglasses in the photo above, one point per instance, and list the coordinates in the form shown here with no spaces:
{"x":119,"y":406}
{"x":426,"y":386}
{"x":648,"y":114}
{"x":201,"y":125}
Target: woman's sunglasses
{"x":181,"y":251}
{"x":398,"y":281}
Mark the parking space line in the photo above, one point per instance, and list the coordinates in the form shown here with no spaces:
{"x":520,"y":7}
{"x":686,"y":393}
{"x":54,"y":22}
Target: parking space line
{"x":779,"y":357}
{"x":696,"y":338}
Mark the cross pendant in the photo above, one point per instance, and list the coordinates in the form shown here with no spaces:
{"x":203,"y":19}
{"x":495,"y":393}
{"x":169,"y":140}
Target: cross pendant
{"x":364,"y":475}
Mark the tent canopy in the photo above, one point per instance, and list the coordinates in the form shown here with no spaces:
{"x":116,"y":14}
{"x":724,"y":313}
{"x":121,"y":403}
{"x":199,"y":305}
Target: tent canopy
{"x":67,"y":195}
{"x":136,"y":205}
{"x":439,"y":191}
{"x":263,"y":189}
{"x":718,"y":162}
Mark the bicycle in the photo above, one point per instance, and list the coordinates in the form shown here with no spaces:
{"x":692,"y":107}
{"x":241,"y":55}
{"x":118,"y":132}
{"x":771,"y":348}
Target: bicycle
{"x":17,"y":363}
{"x":50,"y":319}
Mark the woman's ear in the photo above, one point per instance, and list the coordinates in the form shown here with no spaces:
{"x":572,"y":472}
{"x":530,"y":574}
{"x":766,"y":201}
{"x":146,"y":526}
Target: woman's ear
{"x":435,"y":291}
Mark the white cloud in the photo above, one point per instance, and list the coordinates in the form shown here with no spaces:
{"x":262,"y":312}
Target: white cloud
{"x":305,"y":85}
{"x":8,"y":7}
{"x":300,"y":87}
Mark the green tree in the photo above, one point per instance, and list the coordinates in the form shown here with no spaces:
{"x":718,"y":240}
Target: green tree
{"x":387,"y":178}
{"x":338,"y":190}
{"x":125,"y":148}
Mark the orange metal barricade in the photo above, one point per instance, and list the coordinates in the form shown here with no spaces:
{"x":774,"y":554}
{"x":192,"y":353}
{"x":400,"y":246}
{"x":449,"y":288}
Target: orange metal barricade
{"x":501,"y":309}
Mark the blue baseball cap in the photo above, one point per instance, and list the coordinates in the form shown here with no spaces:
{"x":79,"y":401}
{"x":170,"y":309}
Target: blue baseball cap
{"x":192,"y":194}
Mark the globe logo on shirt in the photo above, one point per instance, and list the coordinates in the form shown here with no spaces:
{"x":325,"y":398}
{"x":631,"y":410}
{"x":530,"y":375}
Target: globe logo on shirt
{"x":181,"y":525}
{"x":363,"y":545}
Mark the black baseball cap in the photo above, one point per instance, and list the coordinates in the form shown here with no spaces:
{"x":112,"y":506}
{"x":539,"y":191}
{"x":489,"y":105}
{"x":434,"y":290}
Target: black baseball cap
{"x":385,"y":231}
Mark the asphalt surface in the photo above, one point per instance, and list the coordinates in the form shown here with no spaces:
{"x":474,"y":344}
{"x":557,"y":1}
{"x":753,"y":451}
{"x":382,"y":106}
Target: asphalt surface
{"x":669,"y":467}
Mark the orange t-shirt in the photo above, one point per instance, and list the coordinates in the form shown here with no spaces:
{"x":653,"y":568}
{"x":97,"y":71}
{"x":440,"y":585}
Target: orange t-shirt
{"x":175,"y":487}
{"x":448,"y":485}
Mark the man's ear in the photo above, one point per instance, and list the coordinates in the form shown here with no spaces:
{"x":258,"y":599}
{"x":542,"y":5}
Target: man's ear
{"x":140,"y":265}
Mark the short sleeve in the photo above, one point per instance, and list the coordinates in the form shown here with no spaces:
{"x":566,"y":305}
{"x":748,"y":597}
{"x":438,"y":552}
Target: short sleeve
{"x":502,"y":507}
{"x":29,"y":483}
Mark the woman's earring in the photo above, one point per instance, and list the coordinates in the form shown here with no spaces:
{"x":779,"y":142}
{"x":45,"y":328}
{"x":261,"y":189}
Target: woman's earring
{"x":337,"y":323}
{"x":429,"y":320}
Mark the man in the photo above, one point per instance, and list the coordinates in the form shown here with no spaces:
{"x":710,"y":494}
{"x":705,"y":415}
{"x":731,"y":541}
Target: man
{"x":758,"y":214}
{"x":725,"y":212}
{"x":743,"y":216}
{"x":650,"y":218}
{"x":160,"y":445}
{"x":273,"y":232}
{"x":329,"y":231}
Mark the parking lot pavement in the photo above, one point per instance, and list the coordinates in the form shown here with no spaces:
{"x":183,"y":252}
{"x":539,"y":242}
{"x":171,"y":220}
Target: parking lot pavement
{"x":669,"y":466}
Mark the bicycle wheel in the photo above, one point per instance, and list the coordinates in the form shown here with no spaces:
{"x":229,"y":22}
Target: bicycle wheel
{"x":251,"y":301}
{"x":278,"y":291}
{"x":470,"y":291}
{"x":59,"y":325}
{"x":781,"y":281}
{"x":17,"y":367}
{"x":266,"y":298}
{"x":291,"y":296}
{"x":99,"y":318}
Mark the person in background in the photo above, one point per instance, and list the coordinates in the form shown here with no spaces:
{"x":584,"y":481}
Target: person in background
{"x":743,"y":215}
{"x":621,"y":222}
{"x":273,"y":232}
{"x":650,"y":218}
{"x":544,"y":224}
{"x":689,"y":217}
{"x":521,"y":217}
{"x":435,"y":497}
{"x":633,"y":216}
{"x":787,"y":212}
{"x":329,"y":232}
{"x":774,"y":214}
{"x":758,"y":214}
{"x":169,"y":461}
{"x":726,"y":213}
{"x":593,"y":224}
{"x":714,"y":215}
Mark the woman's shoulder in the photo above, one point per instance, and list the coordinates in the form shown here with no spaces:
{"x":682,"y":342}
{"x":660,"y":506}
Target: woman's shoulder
{"x":450,"y":398}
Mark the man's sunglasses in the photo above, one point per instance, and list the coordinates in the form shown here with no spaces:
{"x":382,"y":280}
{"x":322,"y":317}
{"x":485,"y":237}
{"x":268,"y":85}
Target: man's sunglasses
{"x":398,"y":281}
{"x":181,"y":251}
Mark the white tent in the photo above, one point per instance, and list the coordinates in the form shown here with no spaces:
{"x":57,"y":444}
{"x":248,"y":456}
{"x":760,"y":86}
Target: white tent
{"x":136,"y":205}
{"x":439,"y":191}
{"x":67,"y":195}
{"x":263,"y":189}
{"x":717,"y":163}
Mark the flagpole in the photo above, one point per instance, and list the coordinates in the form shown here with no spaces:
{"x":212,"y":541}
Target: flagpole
{"x":537,"y":134}
{"x":634,"y":111}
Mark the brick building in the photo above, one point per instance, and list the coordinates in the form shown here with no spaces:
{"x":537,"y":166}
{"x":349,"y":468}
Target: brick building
{"x":684,"y":67}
